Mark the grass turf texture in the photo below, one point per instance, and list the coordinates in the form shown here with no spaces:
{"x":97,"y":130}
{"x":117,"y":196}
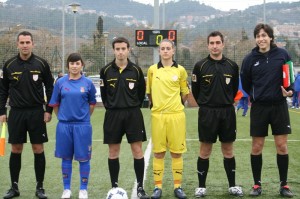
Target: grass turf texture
{"x":217,"y":185}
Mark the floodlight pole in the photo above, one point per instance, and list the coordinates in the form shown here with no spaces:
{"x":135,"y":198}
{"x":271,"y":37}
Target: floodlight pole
{"x":156,"y":26}
{"x":63,"y":37}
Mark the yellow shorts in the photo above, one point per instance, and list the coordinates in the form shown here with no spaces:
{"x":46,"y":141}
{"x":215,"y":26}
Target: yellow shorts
{"x":168,"y":132}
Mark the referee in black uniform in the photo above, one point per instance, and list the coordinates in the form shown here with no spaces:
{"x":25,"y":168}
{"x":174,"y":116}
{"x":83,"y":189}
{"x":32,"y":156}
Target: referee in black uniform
{"x":123,"y":89}
{"x":23,"y":80}
{"x":215,"y":82}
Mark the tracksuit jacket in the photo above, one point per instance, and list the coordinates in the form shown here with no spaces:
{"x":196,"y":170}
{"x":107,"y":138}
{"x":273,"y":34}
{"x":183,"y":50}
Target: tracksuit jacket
{"x":262,"y":76}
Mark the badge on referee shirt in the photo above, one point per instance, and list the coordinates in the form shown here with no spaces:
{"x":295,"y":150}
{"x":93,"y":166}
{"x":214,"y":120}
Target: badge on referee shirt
{"x":131,"y":85}
{"x":194,"y":78}
{"x":175,"y":78}
{"x":35,"y":77}
{"x":227,"y":80}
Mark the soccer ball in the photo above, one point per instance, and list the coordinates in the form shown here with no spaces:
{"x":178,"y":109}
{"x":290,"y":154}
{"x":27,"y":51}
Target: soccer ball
{"x":117,"y":193}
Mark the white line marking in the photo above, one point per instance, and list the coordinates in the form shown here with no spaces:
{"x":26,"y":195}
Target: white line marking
{"x":147,"y":155}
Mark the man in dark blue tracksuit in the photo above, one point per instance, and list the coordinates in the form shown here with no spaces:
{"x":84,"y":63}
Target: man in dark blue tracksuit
{"x":261,"y":76}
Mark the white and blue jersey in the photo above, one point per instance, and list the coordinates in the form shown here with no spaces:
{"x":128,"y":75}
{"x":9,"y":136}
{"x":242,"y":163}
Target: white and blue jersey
{"x":74,"y":130}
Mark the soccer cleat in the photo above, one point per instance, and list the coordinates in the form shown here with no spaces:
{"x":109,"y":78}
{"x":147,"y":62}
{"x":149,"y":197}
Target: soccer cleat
{"x":236,"y":191}
{"x":142,"y":194}
{"x":83,"y":194}
{"x":40,"y":193}
{"x":286,"y":192}
{"x":200,"y":192}
{"x":178,"y":192}
{"x":256,"y":190}
{"x":66,"y":194}
{"x":11,"y":193}
{"x":157,"y":192}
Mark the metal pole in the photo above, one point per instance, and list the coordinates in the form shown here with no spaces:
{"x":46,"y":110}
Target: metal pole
{"x":75,"y":42}
{"x":264,"y":11}
{"x":105,"y":53}
{"x":164,"y":15}
{"x":156,"y":26}
{"x":63,"y":37}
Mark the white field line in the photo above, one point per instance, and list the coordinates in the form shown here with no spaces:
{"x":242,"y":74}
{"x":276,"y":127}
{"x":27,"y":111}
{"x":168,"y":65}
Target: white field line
{"x":147,"y":156}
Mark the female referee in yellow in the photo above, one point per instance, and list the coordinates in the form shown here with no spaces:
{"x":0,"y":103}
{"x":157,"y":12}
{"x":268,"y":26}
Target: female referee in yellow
{"x":167,"y":89}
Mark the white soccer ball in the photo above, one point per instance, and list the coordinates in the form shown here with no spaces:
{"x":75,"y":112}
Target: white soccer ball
{"x":117,"y":193}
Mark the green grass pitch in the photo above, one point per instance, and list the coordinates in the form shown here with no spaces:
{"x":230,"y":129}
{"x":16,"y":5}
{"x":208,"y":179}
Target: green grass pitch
{"x":216,"y":181}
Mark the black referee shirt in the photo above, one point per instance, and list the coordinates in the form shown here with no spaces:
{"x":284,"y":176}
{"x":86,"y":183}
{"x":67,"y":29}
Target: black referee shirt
{"x":122,"y":90}
{"x":23,"y":82}
{"x":215,"y":82}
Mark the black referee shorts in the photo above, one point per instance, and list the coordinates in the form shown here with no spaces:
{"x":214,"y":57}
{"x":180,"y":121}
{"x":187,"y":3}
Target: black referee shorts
{"x":276,"y":115}
{"x":118,"y":122}
{"x":217,"y":121}
{"x":21,"y":121}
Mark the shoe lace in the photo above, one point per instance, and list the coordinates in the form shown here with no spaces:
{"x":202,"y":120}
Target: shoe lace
{"x":141,"y":191}
{"x":83,"y":192}
{"x":179,"y":189}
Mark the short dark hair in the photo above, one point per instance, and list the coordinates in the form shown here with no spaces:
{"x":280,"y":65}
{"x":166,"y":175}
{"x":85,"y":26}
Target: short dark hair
{"x":25,"y":33}
{"x":120,"y":40}
{"x":73,"y":57}
{"x":268,"y":29}
{"x":214,"y":34}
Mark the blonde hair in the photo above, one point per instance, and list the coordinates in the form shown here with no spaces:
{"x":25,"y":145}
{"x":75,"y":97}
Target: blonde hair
{"x":169,"y":41}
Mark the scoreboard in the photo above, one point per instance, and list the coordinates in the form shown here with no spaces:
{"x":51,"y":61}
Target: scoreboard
{"x":152,"y":38}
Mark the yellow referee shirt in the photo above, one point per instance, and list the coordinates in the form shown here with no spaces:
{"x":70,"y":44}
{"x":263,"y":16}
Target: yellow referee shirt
{"x":165,"y":85}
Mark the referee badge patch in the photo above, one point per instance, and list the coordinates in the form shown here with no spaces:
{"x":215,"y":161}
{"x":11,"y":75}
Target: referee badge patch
{"x":194,"y":78}
{"x":227,"y":80}
{"x":175,"y":78}
{"x":131,"y":85}
{"x":35,"y":77}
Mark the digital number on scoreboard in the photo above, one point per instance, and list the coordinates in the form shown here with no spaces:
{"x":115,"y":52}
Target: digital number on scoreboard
{"x":152,"y":38}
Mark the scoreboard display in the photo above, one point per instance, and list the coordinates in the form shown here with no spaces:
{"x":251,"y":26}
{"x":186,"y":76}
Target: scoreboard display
{"x":152,"y":38}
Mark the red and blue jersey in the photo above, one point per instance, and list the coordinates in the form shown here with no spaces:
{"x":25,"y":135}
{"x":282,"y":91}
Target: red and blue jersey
{"x":74,"y":98}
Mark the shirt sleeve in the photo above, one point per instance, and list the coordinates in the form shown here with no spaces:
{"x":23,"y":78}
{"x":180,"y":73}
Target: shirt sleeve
{"x":245,"y":75}
{"x":103,"y":87}
{"x":149,"y":80}
{"x":4,"y":87}
{"x":196,"y":81}
{"x":142,"y":86}
{"x":56,"y":95}
{"x":48,"y":82}
{"x":184,"y":88}
{"x":92,"y":94}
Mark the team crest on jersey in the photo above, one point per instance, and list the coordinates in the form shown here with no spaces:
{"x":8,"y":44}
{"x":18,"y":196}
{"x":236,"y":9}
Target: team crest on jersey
{"x":35,"y":77}
{"x":175,"y":78}
{"x":101,"y":82}
{"x":194,"y":78}
{"x":82,"y":89}
{"x":227,"y":80}
{"x":131,"y":85}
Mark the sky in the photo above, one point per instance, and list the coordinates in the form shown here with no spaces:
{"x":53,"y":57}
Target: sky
{"x":224,"y":5}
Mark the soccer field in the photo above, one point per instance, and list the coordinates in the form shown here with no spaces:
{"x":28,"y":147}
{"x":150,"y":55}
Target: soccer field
{"x":216,"y":181}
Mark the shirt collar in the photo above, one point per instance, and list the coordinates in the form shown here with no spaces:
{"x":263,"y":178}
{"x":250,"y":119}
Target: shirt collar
{"x":128,"y":67}
{"x":160,"y":65}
